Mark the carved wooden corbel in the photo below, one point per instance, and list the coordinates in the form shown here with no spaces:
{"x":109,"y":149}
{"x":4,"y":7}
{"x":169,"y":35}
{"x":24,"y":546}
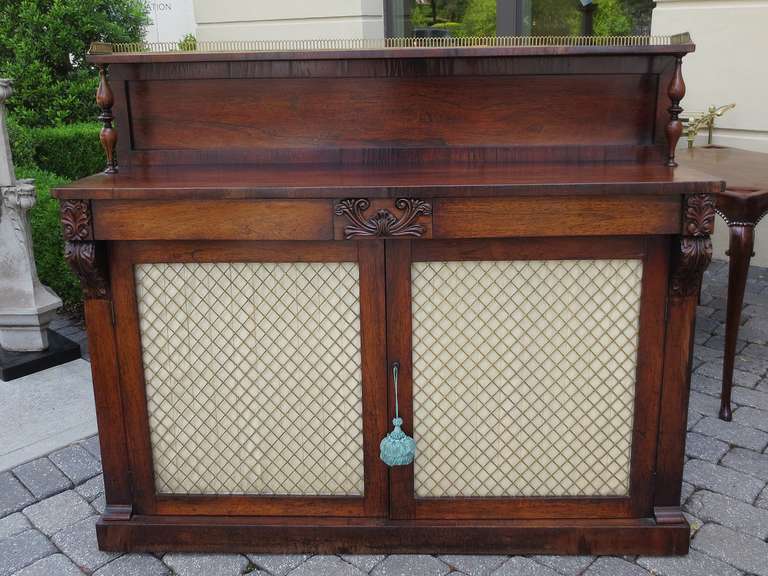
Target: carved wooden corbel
{"x":695,"y":245}
{"x":76,"y":220}
{"x":84,"y":256}
{"x":383,"y":223}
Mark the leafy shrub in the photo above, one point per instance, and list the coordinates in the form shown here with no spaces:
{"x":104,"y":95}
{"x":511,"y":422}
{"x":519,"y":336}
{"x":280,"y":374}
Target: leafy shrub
{"x":72,"y":150}
{"x":421,"y":15}
{"x":188,"y":43}
{"x":47,"y":241}
{"x":480,"y":18}
{"x":612,"y":19}
{"x":22,"y":144}
{"x":43,"y":44}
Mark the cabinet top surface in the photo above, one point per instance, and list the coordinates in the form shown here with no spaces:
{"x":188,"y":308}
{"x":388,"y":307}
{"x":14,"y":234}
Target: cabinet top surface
{"x":427,"y":180}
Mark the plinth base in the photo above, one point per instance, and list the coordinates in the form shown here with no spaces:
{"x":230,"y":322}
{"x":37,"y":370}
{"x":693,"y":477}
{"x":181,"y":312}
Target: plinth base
{"x":379,"y":536}
{"x":17,"y":364}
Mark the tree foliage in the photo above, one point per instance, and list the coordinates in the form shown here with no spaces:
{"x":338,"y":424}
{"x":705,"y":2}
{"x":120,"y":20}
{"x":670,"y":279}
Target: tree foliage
{"x":452,"y":10}
{"x":480,"y":18}
{"x":555,"y":18}
{"x":42,"y":48}
{"x":612,"y":19}
{"x":542,"y":17}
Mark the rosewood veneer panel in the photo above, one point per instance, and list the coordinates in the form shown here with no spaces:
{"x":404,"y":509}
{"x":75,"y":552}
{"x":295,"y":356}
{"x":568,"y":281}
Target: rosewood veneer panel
{"x":584,"y":216}
{"x":209,"y":220}
{"x":403,"y":112}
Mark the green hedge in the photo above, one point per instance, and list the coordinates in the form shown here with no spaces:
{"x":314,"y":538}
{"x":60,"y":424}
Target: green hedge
{"x":47,"y":242}
{"x":22,"y":146}
{"x":72,"y":150}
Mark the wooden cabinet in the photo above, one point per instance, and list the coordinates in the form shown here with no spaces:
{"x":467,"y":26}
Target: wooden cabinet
{"x":246,"y":305}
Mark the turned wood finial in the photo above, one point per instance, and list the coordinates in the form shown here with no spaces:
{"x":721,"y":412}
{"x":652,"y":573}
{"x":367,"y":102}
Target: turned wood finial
{"x":676,"y":91}
{"x":108,"y":135}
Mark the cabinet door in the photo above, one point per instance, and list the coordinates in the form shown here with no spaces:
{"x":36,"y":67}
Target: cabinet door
{"x":529,"y":375}
{"x":253,"y":376}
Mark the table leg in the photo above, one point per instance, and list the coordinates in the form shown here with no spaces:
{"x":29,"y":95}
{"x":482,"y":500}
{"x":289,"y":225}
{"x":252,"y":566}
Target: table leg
{"x":739,"y":255}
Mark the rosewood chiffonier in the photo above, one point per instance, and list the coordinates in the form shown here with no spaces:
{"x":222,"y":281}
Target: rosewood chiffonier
{"x":486,"y":239}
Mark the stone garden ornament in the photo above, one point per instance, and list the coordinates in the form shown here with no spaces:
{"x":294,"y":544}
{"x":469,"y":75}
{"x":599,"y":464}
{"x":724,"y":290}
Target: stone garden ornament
{"x":26,"y":305}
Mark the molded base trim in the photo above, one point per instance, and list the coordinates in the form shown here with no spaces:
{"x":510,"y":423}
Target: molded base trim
{"x":377,"y":536}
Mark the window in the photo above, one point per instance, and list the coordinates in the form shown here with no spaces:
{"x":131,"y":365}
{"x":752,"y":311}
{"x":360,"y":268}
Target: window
{"x":457,"y":18}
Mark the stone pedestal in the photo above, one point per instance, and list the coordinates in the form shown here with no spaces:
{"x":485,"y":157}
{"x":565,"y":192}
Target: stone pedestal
{"x":26,"y":306}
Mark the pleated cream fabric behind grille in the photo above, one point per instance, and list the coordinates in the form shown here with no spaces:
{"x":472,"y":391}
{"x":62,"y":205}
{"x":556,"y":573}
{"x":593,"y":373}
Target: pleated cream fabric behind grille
{"x":253,"y":377}
{"x":524,"y":376}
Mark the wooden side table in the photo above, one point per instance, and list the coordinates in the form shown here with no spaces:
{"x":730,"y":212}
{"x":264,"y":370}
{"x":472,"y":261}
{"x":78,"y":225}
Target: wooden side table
{"x":742,"y":205}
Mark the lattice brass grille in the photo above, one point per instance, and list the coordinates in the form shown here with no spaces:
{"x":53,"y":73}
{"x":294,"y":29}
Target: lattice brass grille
{"x":384,"y":43}
{"x":524,"y":376}
{"x":253,"y":377}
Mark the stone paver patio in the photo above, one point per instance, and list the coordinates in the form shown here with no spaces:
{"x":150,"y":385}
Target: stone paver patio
{"x":48,"y":506}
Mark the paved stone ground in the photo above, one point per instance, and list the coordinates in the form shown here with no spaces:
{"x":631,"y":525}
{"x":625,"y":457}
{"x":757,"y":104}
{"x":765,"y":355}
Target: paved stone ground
{"x":48,"y":506}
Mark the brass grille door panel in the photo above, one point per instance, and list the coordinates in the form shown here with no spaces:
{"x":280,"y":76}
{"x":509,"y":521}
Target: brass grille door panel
{"x":253,"y":377}
{"x":524,"y":376}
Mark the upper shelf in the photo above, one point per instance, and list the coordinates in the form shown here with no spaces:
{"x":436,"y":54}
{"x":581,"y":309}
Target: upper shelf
{"x":417,"y":180}
{"x":393,"y":101}
{"x":101,"y":52}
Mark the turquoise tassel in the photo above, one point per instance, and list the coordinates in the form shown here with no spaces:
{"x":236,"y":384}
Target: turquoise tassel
{"x":397,"y":448}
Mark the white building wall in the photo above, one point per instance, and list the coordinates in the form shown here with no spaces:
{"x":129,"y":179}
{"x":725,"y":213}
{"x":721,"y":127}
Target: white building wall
{"x":289,"y":19}
{"x":730,"y":65}
{"x":171,"y":20}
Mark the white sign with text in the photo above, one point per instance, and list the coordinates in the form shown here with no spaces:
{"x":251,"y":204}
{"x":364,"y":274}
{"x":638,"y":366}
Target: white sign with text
{"x":171,"y":20}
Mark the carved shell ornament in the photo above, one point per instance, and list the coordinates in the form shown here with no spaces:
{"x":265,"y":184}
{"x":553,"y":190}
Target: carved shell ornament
{"x":383,"y":223}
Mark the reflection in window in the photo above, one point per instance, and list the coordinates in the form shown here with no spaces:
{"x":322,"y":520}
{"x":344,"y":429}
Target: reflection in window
{"x":457,"y":18}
